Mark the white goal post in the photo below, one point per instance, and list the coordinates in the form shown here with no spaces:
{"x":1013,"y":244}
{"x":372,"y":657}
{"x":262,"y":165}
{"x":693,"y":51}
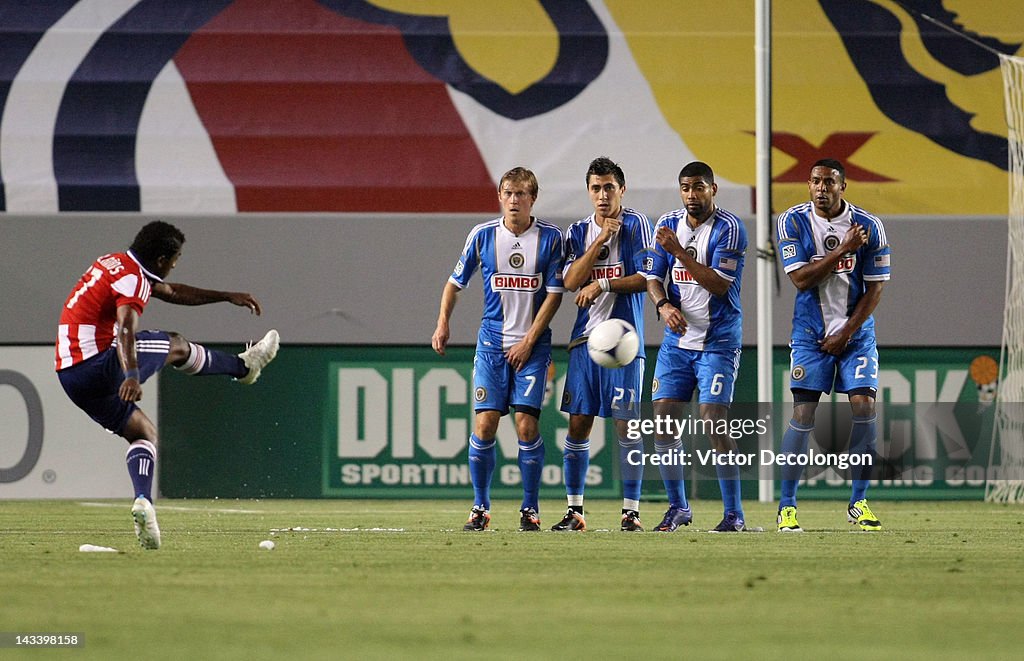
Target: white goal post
{"x":1005,"y":481}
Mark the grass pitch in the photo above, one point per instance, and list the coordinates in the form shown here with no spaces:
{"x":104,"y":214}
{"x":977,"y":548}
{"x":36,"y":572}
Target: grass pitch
{"x":944,"y":581}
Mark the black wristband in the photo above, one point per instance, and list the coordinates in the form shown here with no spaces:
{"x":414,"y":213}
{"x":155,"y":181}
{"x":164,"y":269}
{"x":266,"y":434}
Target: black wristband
{"x":657,"y":306}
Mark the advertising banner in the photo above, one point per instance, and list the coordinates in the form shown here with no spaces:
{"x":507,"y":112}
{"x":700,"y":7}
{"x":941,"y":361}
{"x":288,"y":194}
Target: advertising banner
{"x":382,"y":422}
{"x":48,"y":447}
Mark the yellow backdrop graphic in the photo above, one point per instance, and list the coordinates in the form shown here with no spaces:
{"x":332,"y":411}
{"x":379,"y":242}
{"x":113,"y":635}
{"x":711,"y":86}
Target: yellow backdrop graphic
{"x":699,"y":60}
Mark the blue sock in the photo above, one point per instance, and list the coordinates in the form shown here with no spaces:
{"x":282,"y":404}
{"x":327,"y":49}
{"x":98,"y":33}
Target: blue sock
{"x":672,"y":474}
{"x":531,"y":464}
{"x":729,"y":483}
{"x":862,"y":441}
{"x":631,"y":475}
{"x":141,"y":460}
{"x":207,"y":362}
{"x":794,"y":442}
{"x":575,"y":462}
{"x":482,"y":457}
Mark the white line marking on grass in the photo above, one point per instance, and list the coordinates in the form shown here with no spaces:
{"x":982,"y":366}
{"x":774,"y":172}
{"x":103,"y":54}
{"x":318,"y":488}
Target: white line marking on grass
{"x":178,"y":508}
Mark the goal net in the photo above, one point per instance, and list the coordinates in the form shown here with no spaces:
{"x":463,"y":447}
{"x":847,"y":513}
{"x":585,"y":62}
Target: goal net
{"x":1006,"y":456}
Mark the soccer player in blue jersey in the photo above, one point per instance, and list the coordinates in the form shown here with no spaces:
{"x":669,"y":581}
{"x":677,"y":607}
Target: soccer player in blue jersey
{"x":520,"y":262}
{"x":837,"y":255}
{"x":604,"y":260}
{"x":694,"y":279}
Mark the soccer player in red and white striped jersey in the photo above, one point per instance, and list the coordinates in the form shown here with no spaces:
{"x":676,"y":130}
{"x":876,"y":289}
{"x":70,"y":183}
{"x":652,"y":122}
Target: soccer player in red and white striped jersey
{"x":102,"y":358}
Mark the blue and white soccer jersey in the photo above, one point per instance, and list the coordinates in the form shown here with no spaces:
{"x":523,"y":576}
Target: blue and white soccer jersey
{"x":518,"y":273}
{"x":706,"y":355}
{"x":804,"y":237}
{"x":712,"y":322}
{"x":590,"y":389}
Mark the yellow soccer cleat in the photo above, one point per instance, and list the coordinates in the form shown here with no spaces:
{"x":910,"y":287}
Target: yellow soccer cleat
{"x":860,"y":514}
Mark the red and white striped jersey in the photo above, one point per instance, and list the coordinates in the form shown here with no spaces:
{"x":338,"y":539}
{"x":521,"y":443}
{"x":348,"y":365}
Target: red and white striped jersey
{"x":88,"y":321}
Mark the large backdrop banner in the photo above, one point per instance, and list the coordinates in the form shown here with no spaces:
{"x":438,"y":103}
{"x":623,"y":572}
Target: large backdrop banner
{"x":224,"y":106}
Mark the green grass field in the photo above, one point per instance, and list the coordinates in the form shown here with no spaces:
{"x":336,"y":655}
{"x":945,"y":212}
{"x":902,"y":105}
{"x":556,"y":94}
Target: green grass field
{"x":944,"y":581}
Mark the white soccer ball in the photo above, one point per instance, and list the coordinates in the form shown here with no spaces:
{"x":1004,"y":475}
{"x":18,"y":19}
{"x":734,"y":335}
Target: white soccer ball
{"x":267,"y":545}
{"x":613,"y":343}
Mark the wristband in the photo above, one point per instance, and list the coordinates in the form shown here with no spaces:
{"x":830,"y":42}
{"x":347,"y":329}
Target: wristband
{"x":657,"y":306}
{"x":132,"y":374}
{"x":604,"y":284}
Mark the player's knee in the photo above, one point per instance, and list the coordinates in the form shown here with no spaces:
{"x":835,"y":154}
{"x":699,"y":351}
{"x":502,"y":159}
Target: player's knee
{"x":526,"y":426}
{"x":179,"y":349}
{"x":580,"y":426}
{"x":863,"y":406}
{"x":485,"y":426}
{"x":803,"y":413}
{"x":139,"y":427}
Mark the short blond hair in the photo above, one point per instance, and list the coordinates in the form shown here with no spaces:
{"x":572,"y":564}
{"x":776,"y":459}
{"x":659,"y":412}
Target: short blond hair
{"x":520,"y":175}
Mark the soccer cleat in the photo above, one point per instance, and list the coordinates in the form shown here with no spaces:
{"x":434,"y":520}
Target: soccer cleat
{"x":146,"y":528}
{"x":479,"y":519}
{"x":730,"y":523}
{"x":572,"y":521}
{"x":787,"y":520}
{"x":674,"y":517}
{"x":860,"y":514}
{"x":631,"y":521}
{"x":529,"y":520}
{"x":259,"y":355}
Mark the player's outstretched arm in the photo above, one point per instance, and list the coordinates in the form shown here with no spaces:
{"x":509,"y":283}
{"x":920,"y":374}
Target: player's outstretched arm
{"x":180,"y":294}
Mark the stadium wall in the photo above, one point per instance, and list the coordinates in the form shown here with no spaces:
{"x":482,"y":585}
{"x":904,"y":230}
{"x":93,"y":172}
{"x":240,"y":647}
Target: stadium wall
{"x":341,"y":279}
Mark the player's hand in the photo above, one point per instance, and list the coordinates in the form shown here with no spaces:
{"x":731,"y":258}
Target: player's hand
{"x":586,"y":296}
{"x":609,"y":228}
{"x":668,"y":240}
{"x":674,"y":319}
{"x":835,"y":344}
{"x":519,"y":353}
{"x":855,"y":237}
{"x":245,"y":300}
{"x":130,"y":390}
{"x":439,"y":340}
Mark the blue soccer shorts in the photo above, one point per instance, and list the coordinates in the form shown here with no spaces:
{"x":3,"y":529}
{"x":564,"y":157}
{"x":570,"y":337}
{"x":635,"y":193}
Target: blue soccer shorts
{"x":679,"y":371}
{"x":810,"y":368}
{"x":496,"y":386}
{"x":93,"y":384}
{"x":594,"y":390}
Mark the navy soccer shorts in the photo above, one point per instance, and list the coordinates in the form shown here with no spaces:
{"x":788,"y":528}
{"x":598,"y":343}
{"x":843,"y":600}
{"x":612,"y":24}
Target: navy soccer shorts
{"x":93,"y":384}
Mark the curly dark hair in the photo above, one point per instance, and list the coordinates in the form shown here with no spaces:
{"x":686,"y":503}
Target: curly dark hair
{"x":155,"y":240}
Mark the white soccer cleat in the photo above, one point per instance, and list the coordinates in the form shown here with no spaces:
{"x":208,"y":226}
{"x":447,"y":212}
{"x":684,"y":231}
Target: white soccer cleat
{"x":259,"y":355}
{"x":146,"y":528}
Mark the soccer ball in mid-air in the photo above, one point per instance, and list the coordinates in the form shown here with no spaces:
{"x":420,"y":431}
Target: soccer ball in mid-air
{"x":613,"y":343}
